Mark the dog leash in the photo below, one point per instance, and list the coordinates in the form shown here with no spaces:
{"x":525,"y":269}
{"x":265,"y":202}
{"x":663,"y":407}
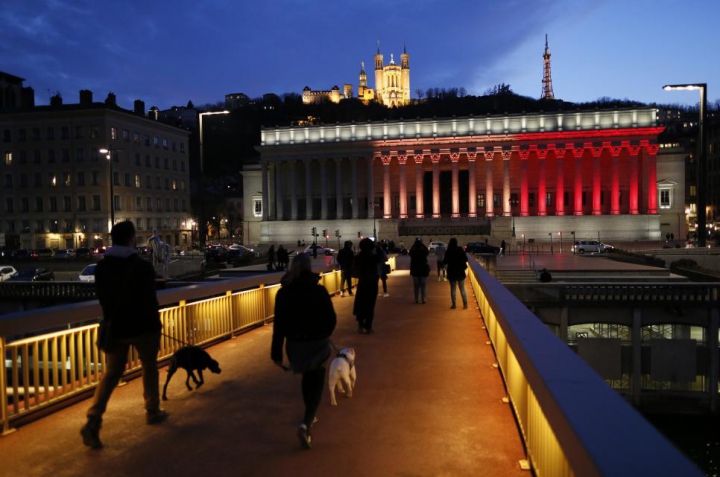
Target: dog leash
{"x":175,"y":339}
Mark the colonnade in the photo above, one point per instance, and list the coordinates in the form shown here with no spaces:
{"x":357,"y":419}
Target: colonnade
{"x":545,"y":179}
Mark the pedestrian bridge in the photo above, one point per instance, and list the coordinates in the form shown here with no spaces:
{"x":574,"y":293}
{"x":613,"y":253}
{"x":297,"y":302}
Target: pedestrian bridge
{"x":440,"y":392}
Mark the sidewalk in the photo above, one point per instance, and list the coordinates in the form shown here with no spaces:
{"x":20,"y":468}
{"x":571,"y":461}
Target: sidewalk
{"x":427,"y":403}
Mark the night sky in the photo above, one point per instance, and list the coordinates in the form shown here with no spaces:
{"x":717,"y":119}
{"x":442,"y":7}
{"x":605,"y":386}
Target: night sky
{"x":167,"y":52}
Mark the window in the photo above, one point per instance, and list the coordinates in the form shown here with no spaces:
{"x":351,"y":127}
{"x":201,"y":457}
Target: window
{"x":79,"y":155}
{"x":148,"y":201}
{"x":158,"y":185}
{"x":23,"y":180}
{"x":94,"y":132}
{"x":38,"y":179}
{"x":257,"y":207}
{"x":8,"y":181}
{"x":8,"y":158}
{"x":165,"y":144}
{"x":81,"y":204}
{"x":167,"y":183}
{"x":157,"y":162}
{"x":25,"y":206}
{"x":136,"y":137}
{"x":66,"y":179}
{"x":116,"y":202}
{"x":50,"y":134}
{"x":176,"y":207}
{"x":116,"y":178}
{"x":36,"y":134}
{"x":138,"y":161}
{"x":78,"y":132}
{"x":11,"y":226}
{"x":128,"y":182}
{"x":531,"y":199}
{"x":51,"y":156}
{"x":184,"y":205}
{"x":138,"y":203}
{"x":147,"y":140}
{"x":182,"y":187}
{"x":113,"y":133}
{"x":38,"y":204}
{"x":182,"y":166}
{"x":67,"y":204}
{"x":95,"y":178}
{"x":147,"y":161}
{"x":166,"y":164}
{"x":67,"y":225}
{"x":182,"y":147}
{"x":148,"y":182}
{"x":481,"y":201}
{"x":138,"y":181}
{"x":65,"y":155}
{"x":126,"y":135}
{"x":22,"y":135}
{"x":26,"y":226}
{"x":167,"y":205}
{"x":496,"y":200}
{"x":139,"y":223}
{"x":174,"y":184}
{"x":39,"y":226}
{"x":156,"y":141}
{"x":37,"y":157}
{"x":548,"y":198}
{"x":52,"y":179}
{"x":96,"y":203}
{"x":81,"y":178}
{"x":9,"y":205}
{"x":53,"y":204}
{"x":159,"y":204}
{"x":64,"y":133}
{"x":97,"y":225}
{"x":7,"y":135}
{"x":82,"y":225}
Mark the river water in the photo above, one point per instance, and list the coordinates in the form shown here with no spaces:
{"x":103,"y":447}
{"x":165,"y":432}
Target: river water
{"x":697,"y":436}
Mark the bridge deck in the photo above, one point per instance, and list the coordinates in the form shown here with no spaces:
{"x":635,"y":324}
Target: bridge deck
{"x":427,"y":403}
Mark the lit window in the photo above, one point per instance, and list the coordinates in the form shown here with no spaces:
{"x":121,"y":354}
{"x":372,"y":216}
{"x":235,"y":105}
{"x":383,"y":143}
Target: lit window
{"x":257,"y":207}
{"x":8,"y":158}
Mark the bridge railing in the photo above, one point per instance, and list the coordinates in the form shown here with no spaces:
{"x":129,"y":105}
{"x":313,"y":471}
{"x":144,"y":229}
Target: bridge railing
{"x":572,"y":422}
{"x":50,"y":354}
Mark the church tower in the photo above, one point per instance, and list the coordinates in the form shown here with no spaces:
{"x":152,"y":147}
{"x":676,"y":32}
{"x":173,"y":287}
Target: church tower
{"x":547,"y":89}
{"x":379,"y":84}
{"x":405,"y":75}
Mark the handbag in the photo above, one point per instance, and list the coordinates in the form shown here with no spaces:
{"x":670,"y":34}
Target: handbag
{"x":386,"y":269}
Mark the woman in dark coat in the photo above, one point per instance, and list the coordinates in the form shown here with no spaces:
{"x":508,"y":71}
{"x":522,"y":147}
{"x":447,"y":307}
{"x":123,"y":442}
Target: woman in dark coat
{"x":365,"y":269}
{"x":271,"y":258}
{"x":456,"y":261}
{"x":419,"y":268}
{"x":304,"y":320}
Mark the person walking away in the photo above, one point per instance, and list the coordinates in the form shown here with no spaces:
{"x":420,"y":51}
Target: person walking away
{"x":271,"y":258}
{"x":456,"y":260}
{"x":419,"y":269}
{"x":545,"y":276}
{"x":365,"y":270}
{"x":502,"y":247}
{"x":382,"y":270}
{"x":304,"y":320}
{"x":441,"y":266}
{"x":345,"y":259}
{"x":283,"y":258}
{"x":125,"y":285}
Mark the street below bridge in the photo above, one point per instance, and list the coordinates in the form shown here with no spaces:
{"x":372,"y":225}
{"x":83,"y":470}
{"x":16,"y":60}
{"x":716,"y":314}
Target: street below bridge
{"x":428,"y":402}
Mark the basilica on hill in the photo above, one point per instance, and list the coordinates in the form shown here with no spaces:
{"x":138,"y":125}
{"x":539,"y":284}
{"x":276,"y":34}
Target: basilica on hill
{"x":392,"y":84}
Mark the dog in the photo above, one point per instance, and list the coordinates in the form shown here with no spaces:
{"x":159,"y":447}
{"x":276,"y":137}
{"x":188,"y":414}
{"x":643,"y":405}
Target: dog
{"x":342,"y":374}
{"x":191,"y":359}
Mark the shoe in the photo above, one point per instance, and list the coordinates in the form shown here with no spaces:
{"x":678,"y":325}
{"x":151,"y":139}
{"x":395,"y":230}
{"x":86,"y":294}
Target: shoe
{"x":370,"y":331}
{"x":416,"y":302}
{"x":444,"y":279}
{"x":423,"y":302}
{"x":90,"y":432}
{"x":303,"y":434}
{"x":350,"y":293}
{"x":386,"y":295}
{"x":453,"y":306}
{"x":342,"y":294}
{"x":156,"y":417}
{"x":464,"y":306}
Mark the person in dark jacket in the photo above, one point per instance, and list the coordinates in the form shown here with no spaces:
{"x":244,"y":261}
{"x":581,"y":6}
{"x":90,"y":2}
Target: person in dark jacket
{"x":304,"y":320}
{"x":419,"y":269}
{"x":125,"y":285}
{"x":283,"y":258}
{"x":456,"y":261}
{"x":366,"y":271}
{"x":271,"y":258}
{"x":345,"y":259}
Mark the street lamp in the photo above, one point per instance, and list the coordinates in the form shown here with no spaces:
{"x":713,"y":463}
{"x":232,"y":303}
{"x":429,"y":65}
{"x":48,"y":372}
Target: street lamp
{"x":203,"y":222}
{"x":551,"y":245}
{"x":560,"y":234}
{"x":108,"y":153}
{"x":700,"y":163}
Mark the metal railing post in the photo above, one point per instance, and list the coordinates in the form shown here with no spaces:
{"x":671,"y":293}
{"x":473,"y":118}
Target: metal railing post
{"x":6,"y":429}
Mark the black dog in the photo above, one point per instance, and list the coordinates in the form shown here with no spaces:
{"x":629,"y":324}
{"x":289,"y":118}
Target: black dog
{"x":190,"y":358}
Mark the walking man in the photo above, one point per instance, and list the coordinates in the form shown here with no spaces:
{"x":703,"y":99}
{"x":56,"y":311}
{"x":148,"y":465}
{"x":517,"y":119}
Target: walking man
{"x":125,"y":285}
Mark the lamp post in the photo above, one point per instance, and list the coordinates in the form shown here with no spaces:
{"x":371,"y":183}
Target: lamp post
{"x":551,"y":245}
{"x":700,"y":163}
{"x":523,"y":237}
{"x":109,"y":155}
{"x":560,"y":234}
{"x":202,"y":221}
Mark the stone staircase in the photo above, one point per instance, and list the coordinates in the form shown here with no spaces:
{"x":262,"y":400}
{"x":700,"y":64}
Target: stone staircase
{"x":516,"y":276}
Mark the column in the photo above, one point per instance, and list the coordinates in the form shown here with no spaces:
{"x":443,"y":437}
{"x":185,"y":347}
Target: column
{"x":435,"y":158}
{"x":542,"y":186}
{"x":264,"y":169}
{"x":338,"y":188}
{"x":578,"y":180}
{"x":472,"y":192}
{"x":489,"y":199}
{"x":355,"y":194}
{"x":279,"y":192}
{"x":293,"y":191}
{"x":454,"y":158}
{"x":524,"y":205}
{"x":634,"y":183}
{"x":506,"y":184}
{"x":402,"y":161}
{"x":419,"y":171}
{"x":323,"y":190}
{"x":370,"y":189}
{"x":652,"y":196}
{"x":596,"y":203}
{"x":308,"y":190}
{"x":387,"y":194}
{"x":615,"y":181}
{"x":560,"y":185}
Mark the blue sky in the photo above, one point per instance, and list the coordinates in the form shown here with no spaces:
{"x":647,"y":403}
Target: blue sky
{"x":167,"y":52}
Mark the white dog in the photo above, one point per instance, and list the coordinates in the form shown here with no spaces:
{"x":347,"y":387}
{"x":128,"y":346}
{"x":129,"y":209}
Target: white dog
{"x":342,"y":371}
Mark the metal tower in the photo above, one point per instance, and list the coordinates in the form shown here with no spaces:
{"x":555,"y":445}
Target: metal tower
{"x":547,"y":89}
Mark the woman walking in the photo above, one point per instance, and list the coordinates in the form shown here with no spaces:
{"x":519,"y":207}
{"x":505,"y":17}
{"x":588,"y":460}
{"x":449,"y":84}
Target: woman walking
{"x":304,"y":320}
{"x":456,"y":264}
{"x":365,"y":269}
{"x":419,"y":269}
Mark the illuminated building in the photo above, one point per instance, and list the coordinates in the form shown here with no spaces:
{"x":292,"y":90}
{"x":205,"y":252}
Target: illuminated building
{"x":595,"y":173}
{"x":310,"y":96}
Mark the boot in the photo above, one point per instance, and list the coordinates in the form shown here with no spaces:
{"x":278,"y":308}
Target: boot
{"x":90,"y":432}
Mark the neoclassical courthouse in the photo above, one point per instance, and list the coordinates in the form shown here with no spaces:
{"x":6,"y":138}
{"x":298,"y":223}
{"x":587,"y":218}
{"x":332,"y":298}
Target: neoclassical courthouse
{"x":537,"y":176}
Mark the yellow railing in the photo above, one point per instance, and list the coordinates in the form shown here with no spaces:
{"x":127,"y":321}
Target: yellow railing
{"x":572,"y":423}
{"x":49,"y":367}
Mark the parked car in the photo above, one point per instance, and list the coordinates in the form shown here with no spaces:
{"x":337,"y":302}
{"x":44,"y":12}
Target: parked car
{"x":481,"y":247}
{"x":33,"y":275}
{"x":42,"y":253}
{"x":434,"y":245}
{"x":320,"y":250}
{"x":88,"y":273}
{"x":7,"y":272}
{"x":590,"y":246}
{"x":83,"y":253}
{"x":65,"y":254}
{"x":237,"y":246}
{"x":216,"y":253}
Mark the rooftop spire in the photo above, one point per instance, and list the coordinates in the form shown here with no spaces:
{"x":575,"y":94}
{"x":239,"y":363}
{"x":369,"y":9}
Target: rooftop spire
{"x":378,"y":47}
{"x":547,"y":89}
